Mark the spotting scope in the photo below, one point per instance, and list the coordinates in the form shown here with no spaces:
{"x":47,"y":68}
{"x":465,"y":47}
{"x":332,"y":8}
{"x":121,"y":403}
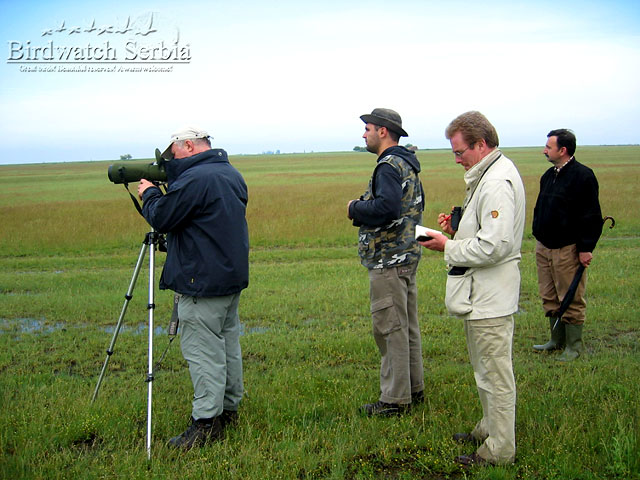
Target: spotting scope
{"x":127,"y":172}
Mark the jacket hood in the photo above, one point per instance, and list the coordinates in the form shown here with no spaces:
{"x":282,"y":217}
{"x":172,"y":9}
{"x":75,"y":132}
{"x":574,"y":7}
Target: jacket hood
{"x":177,"y":166}
{"x":407,"y":155}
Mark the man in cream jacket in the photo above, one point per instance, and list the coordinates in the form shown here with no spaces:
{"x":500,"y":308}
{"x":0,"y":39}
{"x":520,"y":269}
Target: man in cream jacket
{"x":483,"y":284}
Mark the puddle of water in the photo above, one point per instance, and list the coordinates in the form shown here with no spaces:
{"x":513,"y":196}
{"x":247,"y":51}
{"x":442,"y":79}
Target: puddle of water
{"x":140,"y":329}
{"x":40,"y":326}
{"x":28,"y":325}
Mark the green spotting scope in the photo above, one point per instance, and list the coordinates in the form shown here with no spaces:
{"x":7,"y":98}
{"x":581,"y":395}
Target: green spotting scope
{"x":127,"y":172}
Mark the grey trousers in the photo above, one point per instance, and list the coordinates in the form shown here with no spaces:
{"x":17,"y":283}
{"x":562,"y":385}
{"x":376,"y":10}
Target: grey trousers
{"x":490,"y":349}
{"x":394,"y":313}
{"x":210,"y":341}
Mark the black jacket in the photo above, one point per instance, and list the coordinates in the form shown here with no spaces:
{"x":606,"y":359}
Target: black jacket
{"x":568,"y":210}
{"x":203,"y":214}
{"x":386,"y":187}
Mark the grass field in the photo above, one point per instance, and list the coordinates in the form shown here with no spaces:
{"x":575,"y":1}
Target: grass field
{"x":69,"y":240}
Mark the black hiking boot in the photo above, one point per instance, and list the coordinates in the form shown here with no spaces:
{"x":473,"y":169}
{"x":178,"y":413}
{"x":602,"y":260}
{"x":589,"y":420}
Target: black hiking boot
{"x":199,"y":432}
{"x":382,"y":409}
{"x":228,"y":418}
{"x":417,"y":397}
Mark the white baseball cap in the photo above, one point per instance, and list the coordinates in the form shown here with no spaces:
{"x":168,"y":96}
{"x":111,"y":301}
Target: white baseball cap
{"x":186,"y":133}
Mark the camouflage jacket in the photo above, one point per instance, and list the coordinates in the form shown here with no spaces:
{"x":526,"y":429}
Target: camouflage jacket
{"x":394,"y":244}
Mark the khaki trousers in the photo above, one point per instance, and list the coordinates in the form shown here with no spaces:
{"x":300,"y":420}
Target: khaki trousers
{"x":556,"y":268}
{"x":394,"y":313}
{"x":489,"y":342}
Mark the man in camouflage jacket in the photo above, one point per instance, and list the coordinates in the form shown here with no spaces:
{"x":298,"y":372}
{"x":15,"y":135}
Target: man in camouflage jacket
{"x":387,"y":215}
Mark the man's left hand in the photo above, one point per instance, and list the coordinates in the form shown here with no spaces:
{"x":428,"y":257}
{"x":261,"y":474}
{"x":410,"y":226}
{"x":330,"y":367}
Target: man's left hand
{"x":144,"y":184}
{"x":436,"y":243}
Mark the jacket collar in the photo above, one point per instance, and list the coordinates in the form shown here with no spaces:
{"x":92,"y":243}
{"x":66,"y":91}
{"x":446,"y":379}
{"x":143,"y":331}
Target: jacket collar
{"x":177,"y":166}
{"x":476,"y":172}
{"x":473,"y":176}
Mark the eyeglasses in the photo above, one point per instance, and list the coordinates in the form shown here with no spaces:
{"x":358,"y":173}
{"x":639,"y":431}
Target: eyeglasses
{"x":459,"y":154}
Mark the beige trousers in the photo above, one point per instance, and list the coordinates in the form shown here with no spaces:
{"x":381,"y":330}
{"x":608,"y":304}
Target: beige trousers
{"x":556,"y":268}
{"x":489,"y":342}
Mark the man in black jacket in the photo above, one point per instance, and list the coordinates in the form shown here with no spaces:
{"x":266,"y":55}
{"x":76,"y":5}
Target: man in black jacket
{"x":203,"y":214}
{"x":567,"y":222}
{"x":387,"y":215}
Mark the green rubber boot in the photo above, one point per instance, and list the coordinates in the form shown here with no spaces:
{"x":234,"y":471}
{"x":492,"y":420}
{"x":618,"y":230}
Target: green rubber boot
{"x":574,"y":343}
{"x":557,"y":337}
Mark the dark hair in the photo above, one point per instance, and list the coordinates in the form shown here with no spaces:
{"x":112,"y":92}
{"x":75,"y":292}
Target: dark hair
{"x":473,"y":126}
{"x":565,"y":138}
{"x":393,"y":135}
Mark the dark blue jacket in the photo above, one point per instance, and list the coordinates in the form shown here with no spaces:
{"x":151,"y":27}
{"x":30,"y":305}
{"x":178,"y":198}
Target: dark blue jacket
{"x":203,"y":214}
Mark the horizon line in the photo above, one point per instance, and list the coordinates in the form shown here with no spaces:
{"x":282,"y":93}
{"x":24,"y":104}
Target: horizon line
{"x":310,"y":152}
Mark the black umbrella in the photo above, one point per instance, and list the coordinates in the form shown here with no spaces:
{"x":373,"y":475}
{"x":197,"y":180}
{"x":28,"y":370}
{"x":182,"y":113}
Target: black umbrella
{"x":571,"y":292}
{"x":568,"y":297}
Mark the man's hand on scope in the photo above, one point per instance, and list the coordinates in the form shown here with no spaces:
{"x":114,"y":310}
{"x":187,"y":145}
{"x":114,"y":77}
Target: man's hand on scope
{"x":142,"y":186}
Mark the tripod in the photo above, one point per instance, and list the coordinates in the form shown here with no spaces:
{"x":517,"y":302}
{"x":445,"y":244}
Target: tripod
{"x":151,"y":241}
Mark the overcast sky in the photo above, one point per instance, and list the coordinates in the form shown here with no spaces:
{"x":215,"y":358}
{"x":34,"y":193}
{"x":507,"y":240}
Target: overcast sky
{"x":295,"y":76}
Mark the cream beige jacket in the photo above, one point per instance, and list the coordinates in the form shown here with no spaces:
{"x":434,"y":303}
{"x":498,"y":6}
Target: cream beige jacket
{"x":488,"y":240}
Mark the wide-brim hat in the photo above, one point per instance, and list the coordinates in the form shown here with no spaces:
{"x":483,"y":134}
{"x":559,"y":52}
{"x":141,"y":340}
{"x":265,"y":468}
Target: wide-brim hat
{"x":385,"y":117}
{"x":186,"y":133}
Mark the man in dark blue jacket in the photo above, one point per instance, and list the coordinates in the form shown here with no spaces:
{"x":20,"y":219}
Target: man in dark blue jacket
{"x":203,"y":214}
{"x":387,"y":215}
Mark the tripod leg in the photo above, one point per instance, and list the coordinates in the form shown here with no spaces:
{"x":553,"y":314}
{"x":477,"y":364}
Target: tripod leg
{"x":151,"y":307}
{"x":127,"y":297}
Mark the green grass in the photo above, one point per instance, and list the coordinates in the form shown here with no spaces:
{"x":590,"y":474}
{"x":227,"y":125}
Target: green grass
{"x":68,"y":245}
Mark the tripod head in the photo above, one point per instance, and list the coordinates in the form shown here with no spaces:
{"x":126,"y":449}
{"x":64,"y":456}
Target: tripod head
{"x":159,"y":239}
